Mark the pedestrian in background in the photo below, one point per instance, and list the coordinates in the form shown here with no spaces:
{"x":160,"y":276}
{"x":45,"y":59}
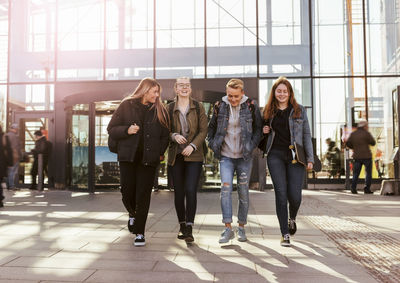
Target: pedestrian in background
{"x":140,"y":126}
{"x":5,"y":161}
{"x":16,"y":148}
{"x":359,"y":141}
{"x":286,"y":123}
{"x":186,"y":153}
{"x":234,"y":131}
{"x":41,"y":147}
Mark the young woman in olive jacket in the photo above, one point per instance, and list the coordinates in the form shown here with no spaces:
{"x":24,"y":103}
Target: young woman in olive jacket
{"x":140,"y":125}
{"x":185,"y":154}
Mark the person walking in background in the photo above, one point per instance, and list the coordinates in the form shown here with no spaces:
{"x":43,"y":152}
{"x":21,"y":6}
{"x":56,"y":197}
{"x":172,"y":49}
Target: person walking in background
{"x":6,"y":160}
{"x":15,"y":144}
{"x":186,"y":153}
{"x":41,"y":147}
{"x":359,"y":141}
{"x":140,"y":125}
{"x":234,"y":131}
{"x":286,"y":123}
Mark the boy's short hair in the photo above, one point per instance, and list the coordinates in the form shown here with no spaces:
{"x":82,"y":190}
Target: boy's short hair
{"x":235,"y":83}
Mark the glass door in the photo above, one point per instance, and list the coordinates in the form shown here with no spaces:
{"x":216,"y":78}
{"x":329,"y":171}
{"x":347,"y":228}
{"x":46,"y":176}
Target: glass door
{"x":29,"y":123}
{"x":106,"y":164}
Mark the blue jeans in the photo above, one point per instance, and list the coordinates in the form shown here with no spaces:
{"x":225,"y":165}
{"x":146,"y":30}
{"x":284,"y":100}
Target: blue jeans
{"x":357,"y":165}
{"x":287,"y":179}
{"x":186,"y":176}
{"x":12,"y":171}
{"x":228,"y":166}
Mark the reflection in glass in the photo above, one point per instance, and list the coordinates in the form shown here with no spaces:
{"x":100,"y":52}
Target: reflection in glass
{"x":129,"y":39}
{"x":231,"y":38}
{"x":3,"y":106}
{"x":107,"y":168}
{"x":80,"y":145}
{"x":32,"y":44}
{"x":3,"y":39}
{"x":342,"y":54}
{"x":180,"y":39}
{"x":80,"y":29}
{"x":37,"y":97}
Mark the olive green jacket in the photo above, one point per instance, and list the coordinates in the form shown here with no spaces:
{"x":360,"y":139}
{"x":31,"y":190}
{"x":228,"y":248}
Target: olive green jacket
{"x":197,"y":131}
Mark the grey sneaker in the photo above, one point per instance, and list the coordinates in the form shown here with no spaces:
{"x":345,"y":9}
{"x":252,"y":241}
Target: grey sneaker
{"x":226,"y":236}
{"x":241,"y":234}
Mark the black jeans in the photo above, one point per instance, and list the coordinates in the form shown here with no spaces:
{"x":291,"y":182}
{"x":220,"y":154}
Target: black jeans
{"x":35,"y":169}
{"x":287,"y":179}
{"x":136,"y":184}
{"x":186,"y":176}
{"x":357,"y":165}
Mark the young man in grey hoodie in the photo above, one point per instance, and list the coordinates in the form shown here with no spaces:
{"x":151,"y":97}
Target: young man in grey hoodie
{"x":234,"y":131}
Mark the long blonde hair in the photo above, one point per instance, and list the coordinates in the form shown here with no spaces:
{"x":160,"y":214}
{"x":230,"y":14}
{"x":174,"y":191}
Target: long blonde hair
{"x":144,"y":87}
{"x":271,"y":108}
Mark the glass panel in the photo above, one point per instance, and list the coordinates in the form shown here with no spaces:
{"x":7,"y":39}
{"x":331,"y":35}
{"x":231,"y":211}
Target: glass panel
{"x":3,"y":39}
{"x":180,"y":39}
{"x":107,"y":168}
{"x":383,"y":40}
{"x":382,"y":100}
{"x":284,"y":37}
{"x":31,"y":97}
{"x":231,"y":38}
{"x":80,"y":39}
{"x":80,"y":145}
{"x":32,"y":42}
{"x":339,"y":103}
{"x":129,"y":39}
{"x":3,"y":106}
{"x":343,"y":53}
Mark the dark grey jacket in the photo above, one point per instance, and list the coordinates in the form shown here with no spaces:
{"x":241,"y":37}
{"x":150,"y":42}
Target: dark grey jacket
{"x":155,"y":135}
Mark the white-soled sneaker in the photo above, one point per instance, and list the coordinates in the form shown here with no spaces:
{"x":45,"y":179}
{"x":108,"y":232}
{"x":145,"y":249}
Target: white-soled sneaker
{"x":241,"y":234}
{"x":226,"y":235}
{"x":285,"y":240}
{"x":139,"y":240}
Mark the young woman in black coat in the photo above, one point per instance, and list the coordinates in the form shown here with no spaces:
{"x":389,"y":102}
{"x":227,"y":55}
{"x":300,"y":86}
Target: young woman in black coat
{"x":140,"y":126}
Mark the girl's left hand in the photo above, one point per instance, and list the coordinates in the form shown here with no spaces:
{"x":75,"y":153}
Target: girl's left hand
{"x":187,"y":151}
{"x":309,"y":166}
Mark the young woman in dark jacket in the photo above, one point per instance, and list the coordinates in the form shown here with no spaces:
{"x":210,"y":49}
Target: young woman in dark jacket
{"x":185,"y":154}
{"x":140,"y":126}
{"x":286,"y":123}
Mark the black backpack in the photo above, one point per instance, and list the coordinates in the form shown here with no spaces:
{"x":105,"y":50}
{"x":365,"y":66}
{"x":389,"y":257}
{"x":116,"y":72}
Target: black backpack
{"x":112,"y":145}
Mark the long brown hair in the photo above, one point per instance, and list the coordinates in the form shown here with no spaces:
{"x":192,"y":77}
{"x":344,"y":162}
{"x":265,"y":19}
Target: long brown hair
{"x":144,"y":87}
{"x":271,"y":108}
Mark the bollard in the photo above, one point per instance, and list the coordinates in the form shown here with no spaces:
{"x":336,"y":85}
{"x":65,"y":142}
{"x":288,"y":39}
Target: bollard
{"x":40,"y":172}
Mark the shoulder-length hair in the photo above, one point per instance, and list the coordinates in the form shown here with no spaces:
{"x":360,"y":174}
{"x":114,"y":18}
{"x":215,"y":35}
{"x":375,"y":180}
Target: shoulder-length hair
{"x":144,"y":87}
{"x":271,"y":108}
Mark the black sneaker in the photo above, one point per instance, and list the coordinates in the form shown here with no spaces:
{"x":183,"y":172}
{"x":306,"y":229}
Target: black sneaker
{"x":292,"y":226}
{"x":189,"y":234}
{"x":182,"y":231}
{"x":1,"y":204}
{"x":285,"y":240}
{"x":354,"y":191}
{"x":131,"y":224}
{"x":367,"y":191}
{"x":139,"y":240}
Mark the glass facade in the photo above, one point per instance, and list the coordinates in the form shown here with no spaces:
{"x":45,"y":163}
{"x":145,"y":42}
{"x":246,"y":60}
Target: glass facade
{"x":341,"y":56}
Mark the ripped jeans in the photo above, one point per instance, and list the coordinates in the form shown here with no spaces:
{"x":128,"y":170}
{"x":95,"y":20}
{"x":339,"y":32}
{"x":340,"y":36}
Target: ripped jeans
{"x":228,"y":166}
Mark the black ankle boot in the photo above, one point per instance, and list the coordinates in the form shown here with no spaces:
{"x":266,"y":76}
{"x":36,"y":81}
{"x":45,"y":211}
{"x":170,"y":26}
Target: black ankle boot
{"x":182,"y":231}
{"x":189,"y":234}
